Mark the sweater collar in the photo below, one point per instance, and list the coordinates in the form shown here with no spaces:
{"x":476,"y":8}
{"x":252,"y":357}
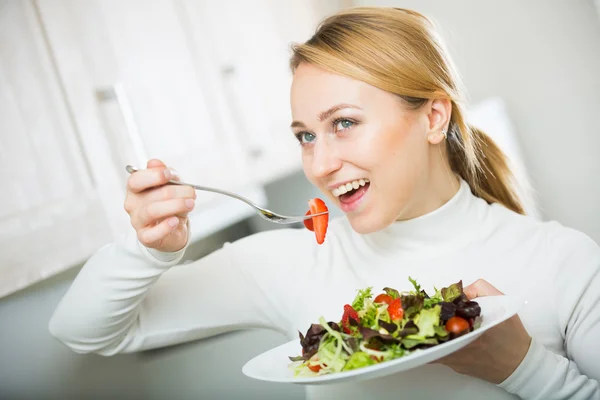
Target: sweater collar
{"x":451,"y":225}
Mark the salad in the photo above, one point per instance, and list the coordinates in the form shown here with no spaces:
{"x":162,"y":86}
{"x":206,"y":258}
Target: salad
{"x":389,"y":326}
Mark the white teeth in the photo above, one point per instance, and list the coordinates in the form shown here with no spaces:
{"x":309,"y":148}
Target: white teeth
{"x":345,"y":188}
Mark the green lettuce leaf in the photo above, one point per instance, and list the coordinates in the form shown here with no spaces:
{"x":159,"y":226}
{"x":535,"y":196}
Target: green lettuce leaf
{"x":393,"y":293}
{"x":415,"y":284}
{"x":440,"y":331}
{"x":435,"y":299}
{"x":426,"y":321}
{"x":359,"y":300}
{"x":330,"y":353}
{"x":358,"y":360}
{"x":369,"y":318}
{"x":395,"y":351}
{"x":452,"y":292}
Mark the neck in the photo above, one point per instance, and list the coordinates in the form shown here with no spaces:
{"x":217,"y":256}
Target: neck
{"x":446,"y":226}
{"x":437,"y":190}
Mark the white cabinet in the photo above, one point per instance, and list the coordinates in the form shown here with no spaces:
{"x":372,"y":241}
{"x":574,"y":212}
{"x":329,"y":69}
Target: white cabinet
{"x":87,"y":87}
{"x":140,"y":89}
{"x":51,"y":212}
{"x":165,"y":109}
{"x":250,"y":42}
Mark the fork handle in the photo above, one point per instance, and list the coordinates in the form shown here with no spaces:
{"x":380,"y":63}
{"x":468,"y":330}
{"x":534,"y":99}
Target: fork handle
{"x":214,"y":190}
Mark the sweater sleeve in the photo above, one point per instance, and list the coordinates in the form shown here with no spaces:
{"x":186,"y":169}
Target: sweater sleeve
{"x":129,"y":298}
{"x":576,"y":375}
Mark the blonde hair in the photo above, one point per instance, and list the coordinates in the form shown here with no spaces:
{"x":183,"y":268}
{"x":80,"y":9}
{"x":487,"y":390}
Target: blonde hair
{"x":399,"y":51}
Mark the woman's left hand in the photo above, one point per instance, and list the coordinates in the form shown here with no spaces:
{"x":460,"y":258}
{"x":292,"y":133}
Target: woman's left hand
{"x":496,"y":354}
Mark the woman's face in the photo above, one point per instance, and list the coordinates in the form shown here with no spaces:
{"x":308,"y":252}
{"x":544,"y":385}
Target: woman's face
{"x":370,"y":155}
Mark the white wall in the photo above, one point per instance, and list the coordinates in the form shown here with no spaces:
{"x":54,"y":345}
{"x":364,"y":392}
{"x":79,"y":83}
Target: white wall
{"x":543,"y":59}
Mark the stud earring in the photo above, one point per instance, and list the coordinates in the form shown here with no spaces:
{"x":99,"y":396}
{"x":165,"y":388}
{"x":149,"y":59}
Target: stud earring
{"x":445,"y":134}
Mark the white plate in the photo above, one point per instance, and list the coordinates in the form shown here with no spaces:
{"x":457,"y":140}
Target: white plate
{"x":274,"y":365}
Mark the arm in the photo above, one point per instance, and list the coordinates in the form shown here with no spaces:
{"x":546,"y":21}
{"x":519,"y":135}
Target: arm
{"x":546,"y":375}
{"x":129,"y":298}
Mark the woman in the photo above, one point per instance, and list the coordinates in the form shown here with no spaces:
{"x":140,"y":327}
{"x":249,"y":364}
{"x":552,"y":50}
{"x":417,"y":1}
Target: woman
{"x":376,"y":103}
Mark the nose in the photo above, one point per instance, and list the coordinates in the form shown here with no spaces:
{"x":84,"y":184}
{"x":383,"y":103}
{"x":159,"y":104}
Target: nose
{"x":325,"y":159}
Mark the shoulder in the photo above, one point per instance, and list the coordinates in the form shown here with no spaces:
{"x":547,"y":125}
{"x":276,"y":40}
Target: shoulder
{"x":570,"y":244}
{"x":559,"y":242}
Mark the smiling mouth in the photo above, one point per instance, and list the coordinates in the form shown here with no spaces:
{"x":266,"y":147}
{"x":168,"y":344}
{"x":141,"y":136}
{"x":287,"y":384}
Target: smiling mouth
{"x":352,"y":191}
{"x":349,"y":187}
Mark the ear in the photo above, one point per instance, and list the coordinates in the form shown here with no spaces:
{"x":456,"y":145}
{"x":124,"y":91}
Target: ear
{"x":440,"y":111}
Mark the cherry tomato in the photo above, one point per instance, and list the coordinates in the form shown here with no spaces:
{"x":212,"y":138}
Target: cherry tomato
{"x":458,"y":326}
{"x":383,"y":298}
{"x":395,"y":309}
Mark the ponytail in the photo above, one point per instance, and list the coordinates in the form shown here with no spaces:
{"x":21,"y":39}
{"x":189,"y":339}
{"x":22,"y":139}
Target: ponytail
{"x":482,"y":164}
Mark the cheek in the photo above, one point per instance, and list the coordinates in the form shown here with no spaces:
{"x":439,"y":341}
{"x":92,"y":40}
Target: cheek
{"x":306,"y":163}
{"x":401,"y":164}
{"x":391,"y":147}
{"x":307,"y":167}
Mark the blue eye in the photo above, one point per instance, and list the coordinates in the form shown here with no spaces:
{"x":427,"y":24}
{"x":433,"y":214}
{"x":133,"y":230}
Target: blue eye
{"x":306,"y":137}
{"x":342,"y":123}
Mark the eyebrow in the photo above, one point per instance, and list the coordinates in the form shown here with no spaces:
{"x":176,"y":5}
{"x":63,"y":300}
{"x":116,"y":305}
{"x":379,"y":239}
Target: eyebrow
{"x":326,"y":114}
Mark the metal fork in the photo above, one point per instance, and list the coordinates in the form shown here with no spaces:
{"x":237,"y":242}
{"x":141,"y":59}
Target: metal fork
{"x":263,"y":212}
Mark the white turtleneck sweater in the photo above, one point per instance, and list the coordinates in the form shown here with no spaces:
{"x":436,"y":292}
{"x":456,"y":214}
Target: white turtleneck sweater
{"x":129,"y":298}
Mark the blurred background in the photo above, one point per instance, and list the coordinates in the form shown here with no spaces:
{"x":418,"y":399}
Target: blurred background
{"x":88,"y":86}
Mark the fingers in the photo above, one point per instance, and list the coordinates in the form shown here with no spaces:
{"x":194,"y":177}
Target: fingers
{"x":150,"y":214}
{"x":167,"y":192}
{"x":152,"y":234}
{"x":154,"y":163}
{"x":481,"y":288}
{"x":136,"y":201}
{"x":148,"y":178}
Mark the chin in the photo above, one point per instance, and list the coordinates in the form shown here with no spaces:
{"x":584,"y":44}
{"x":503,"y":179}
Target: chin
{"x":366,"y":223}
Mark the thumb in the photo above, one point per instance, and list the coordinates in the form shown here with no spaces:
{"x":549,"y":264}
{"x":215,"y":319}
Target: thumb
{"x":481,"y":288}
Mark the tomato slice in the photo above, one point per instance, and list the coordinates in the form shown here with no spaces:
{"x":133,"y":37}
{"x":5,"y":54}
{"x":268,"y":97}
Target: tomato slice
{"x":308,"y":223}
{"x":315,"y":367}
{"x":395,"y":310}
{"x":383,"y":298}
{"x":320,"y":223}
